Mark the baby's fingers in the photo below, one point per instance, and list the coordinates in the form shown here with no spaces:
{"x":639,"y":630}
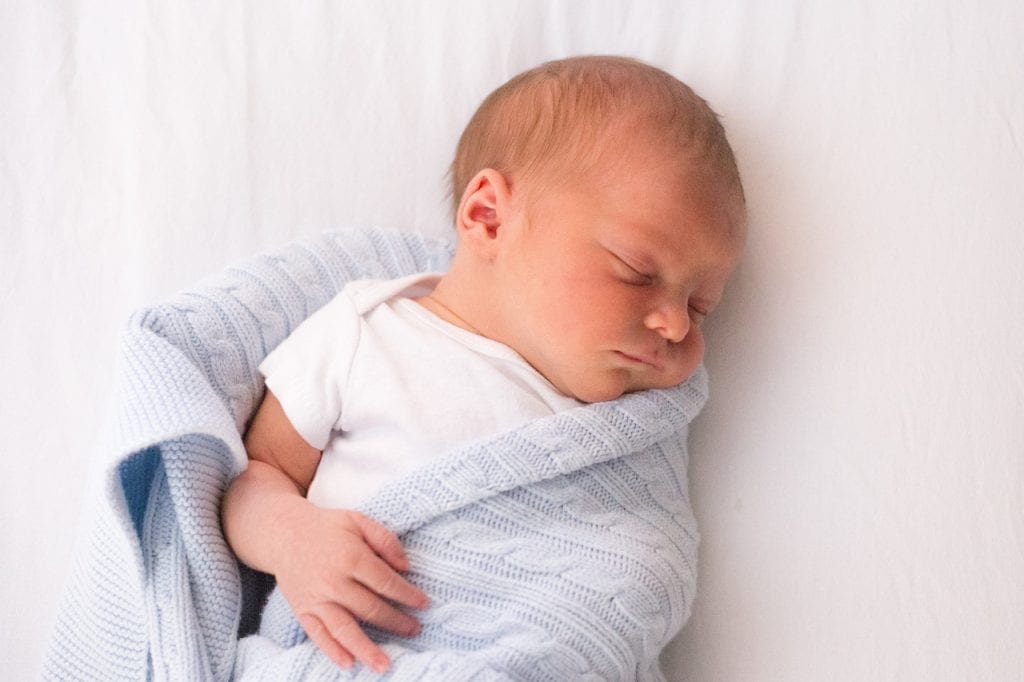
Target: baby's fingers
{"x":382,"y":541}
{"x":321,"y":636}
{"x":340,"y":633}
{"x":370,"y":608}
{"x":380,"y":578}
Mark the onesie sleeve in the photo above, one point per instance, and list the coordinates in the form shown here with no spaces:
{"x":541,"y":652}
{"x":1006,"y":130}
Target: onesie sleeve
{"x":308,"y":371}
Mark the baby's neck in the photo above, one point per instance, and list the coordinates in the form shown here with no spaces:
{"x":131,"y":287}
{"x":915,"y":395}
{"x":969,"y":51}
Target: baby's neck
{"x":462,"y":298}
{"x":434,"y":304}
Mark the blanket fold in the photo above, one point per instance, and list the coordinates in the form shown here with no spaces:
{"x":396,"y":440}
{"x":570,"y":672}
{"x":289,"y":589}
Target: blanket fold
{"x":563,"y":549}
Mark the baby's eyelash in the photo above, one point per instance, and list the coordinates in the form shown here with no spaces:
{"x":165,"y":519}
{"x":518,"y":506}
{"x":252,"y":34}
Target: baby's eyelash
{"x":698,"y":315}
{"x":631,"y":275}
{"x":640,"y":279}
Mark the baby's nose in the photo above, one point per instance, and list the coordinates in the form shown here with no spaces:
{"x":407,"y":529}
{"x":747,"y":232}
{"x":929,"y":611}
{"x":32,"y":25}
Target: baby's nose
{"x":671,"y":321}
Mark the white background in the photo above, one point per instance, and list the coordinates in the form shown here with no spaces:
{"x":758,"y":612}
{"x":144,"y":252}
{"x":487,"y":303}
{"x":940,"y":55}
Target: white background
{"x":858,"y":473}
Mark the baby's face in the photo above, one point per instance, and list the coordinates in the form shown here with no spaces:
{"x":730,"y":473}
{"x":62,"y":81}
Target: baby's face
{"x":609,"y":281}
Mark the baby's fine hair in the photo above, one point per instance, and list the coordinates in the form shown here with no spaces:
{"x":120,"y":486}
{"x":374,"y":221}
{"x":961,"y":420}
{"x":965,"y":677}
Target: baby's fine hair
{"x":549,"y":120}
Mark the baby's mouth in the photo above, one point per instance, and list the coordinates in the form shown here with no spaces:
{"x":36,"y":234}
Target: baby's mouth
{"x":645,"y":360}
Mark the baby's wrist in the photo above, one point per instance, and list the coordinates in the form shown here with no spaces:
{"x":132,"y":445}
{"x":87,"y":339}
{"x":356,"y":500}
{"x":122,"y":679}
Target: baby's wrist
{"x":291,"y":518}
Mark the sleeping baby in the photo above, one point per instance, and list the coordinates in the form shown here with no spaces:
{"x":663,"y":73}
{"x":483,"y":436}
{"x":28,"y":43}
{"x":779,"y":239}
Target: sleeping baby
{"x":599,"y":214}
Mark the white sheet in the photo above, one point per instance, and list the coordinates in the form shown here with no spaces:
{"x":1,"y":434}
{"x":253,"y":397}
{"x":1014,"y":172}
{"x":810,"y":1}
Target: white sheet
{"x":858,"y":474}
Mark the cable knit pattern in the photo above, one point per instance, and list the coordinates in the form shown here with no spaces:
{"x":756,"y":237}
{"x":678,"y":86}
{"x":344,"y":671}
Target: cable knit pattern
{"x":564,"y":549}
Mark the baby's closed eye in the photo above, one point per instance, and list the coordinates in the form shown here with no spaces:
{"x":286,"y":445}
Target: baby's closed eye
{"x":697,"y":315}
{"x":631,"y":274}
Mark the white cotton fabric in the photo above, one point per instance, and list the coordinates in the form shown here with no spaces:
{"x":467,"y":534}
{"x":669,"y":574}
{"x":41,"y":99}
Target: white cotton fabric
{"x":383,"y":386}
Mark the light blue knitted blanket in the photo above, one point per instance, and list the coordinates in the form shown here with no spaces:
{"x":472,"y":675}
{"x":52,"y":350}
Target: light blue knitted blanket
{"x":562,"y":550}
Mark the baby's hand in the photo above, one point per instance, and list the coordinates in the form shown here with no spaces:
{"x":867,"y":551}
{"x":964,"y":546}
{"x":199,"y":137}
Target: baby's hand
{"x":344,"y":568}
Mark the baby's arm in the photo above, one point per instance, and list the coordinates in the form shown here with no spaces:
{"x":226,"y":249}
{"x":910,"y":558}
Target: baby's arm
{"x":334,"y":566}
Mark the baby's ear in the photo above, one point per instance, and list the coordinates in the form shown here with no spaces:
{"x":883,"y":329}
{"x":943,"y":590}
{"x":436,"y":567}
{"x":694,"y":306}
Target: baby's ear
{"x":482,"y":209}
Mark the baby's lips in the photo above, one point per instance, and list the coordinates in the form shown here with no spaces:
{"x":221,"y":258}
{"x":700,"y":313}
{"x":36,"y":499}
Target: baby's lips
{"x":641,"y":358}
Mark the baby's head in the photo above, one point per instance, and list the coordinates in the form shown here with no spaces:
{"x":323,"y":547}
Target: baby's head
{"x":599,"y":212}
{"x":557,"y":122}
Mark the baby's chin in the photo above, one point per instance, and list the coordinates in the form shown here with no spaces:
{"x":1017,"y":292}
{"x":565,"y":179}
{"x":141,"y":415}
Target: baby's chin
{"x":598,"y":392}
{"x":588,"y":390}
{"x":616,"y":385}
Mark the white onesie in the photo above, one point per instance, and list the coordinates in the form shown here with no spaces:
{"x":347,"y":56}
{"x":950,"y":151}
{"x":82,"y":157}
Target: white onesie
{"x":384,"y":386}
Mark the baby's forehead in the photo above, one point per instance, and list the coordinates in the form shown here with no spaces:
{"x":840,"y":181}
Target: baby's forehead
{"x":664,"y":200}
